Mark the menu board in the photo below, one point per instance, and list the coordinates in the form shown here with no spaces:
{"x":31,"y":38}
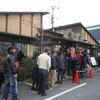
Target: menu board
{"x":93,"y":61}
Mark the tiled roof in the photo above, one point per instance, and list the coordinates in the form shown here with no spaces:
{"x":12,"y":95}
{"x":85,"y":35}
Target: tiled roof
{"x":95,"y":33}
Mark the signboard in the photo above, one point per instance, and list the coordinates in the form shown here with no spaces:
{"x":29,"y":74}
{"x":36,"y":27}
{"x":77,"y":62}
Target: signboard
{"x":99,"y":54}
{"x":93,"y":61}
{"x":57,"y":47}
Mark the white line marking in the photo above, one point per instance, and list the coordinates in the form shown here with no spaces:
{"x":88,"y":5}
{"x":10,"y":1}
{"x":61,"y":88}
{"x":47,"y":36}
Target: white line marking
{"x":69,"y":90}
{"x":27,"y":83}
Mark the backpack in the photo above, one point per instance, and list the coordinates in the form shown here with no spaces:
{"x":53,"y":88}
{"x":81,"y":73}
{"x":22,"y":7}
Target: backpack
{"x":6,"y":66}
{"x":9,"y":68}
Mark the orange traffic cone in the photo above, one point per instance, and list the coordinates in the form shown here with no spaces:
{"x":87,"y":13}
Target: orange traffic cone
{"x":76,"y":77}
{"x":90,"y":73}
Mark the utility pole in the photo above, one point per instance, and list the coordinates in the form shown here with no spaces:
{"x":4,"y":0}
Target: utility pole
{"x":42,"y":42}
{"x":53,"y":15}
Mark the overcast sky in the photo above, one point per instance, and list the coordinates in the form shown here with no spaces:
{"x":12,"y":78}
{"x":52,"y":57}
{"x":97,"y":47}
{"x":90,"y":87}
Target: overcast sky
{"x":70,"y":11}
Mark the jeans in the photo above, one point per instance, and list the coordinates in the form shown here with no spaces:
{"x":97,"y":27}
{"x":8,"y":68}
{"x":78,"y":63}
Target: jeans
{"x":60,"y":75}
{"x":69,"y":70}
{"x":10,"y":81}
{"x":43,"y":75}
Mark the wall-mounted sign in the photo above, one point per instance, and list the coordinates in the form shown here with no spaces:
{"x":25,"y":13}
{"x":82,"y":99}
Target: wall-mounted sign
{"x":93,"y":61}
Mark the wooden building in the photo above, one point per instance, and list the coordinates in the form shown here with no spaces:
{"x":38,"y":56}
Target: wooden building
{"x":20,"y":29}
{"x":25,"y":31}
{"x":73,"y":34}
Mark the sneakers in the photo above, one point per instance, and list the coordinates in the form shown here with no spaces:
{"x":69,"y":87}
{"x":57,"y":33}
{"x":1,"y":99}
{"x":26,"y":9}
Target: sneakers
{"x":50,"y":88}
{"x":44,"y":94}
{"x":32,"y":88}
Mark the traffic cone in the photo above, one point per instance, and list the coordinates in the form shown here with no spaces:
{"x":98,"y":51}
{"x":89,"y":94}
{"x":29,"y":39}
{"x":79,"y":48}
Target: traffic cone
{"x":90,"y":73}
{"x":76,"y":77}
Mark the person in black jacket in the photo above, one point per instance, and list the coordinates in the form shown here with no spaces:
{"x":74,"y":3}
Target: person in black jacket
{"x":1,"y":71}
{"x":60,"y":66}
{"x":20,"y":55}
{"x":10,"y":74}
{"x":35,"y":70}
{"x":1,"y":79}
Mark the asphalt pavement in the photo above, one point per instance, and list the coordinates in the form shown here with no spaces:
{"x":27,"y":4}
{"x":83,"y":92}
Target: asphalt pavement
{"x":88,"y":89}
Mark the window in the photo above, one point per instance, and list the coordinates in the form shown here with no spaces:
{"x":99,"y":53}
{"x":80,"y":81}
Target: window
{"x":4,"y":46}
{"x":21,"y":46}
{"x":76,"y":29}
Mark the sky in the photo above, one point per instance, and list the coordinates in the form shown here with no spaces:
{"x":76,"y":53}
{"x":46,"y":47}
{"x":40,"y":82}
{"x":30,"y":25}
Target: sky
{"x":65,"y":12}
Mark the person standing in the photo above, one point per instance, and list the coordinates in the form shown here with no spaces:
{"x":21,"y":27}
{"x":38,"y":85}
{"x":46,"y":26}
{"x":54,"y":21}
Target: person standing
{"x":10,"y":75}
{"x":53,"y":78}
{"x":69,"y":64}
{"x":75,"y":66}
{"x":20,"y":55}
{"x":1,"y":79}
{"x":34,"y":72}
{"x":60,"y":66}
{"x":1,"y":71}
{"x":44,"y":64}
{"x":86,"y":62}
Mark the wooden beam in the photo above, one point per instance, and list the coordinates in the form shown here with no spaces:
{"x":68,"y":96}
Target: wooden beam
{"x":20,"y":24}
{"x":6,"y":27}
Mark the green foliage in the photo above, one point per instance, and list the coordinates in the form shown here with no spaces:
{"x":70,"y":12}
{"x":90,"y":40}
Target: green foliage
{"x":25,"y":69}
{"x":21,"y":74}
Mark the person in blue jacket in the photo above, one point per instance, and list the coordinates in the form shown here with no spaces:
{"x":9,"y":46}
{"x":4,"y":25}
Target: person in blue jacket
{"x":53,"y":68}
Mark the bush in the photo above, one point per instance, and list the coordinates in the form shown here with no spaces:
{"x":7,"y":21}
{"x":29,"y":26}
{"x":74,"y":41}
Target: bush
{"x":21,"y":74}
{"x":25,"y":69}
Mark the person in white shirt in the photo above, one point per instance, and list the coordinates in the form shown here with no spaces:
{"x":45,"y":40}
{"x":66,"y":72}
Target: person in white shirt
{"x":44,"y":64}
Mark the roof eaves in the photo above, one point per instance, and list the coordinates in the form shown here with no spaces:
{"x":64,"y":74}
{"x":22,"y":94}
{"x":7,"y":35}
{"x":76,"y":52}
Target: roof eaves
{"x":53,"y":32}
{"x":65,"y":26}
{"x":43,"y":13}
{"x":11,"y":34}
